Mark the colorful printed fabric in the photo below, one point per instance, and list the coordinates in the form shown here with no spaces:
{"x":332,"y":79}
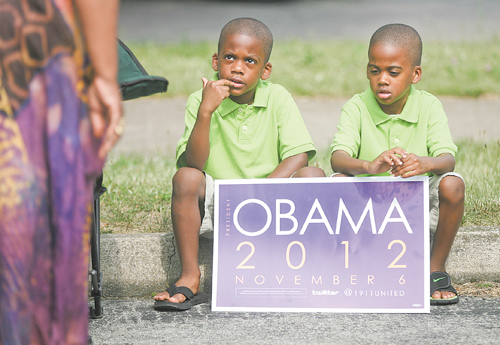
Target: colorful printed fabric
{"x":47,"y":167}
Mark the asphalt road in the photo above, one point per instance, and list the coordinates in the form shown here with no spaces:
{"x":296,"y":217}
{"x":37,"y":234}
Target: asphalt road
{"x":472,"y":321}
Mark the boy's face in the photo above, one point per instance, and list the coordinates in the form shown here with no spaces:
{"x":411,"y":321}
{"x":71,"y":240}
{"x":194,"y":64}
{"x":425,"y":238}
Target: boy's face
{"x":242,"y":60}
{"x":391,"y":74}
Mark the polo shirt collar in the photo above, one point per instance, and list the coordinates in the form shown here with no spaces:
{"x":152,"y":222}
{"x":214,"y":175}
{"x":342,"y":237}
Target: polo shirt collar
{"x":261,"y":99}
{"x":408,"y":114}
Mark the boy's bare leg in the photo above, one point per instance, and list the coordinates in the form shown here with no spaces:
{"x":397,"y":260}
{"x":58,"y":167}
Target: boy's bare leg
{"x":341,"y":175}
{"x":451,"y":211}
{"x":188,"y":199}
{"x":309,"y":172}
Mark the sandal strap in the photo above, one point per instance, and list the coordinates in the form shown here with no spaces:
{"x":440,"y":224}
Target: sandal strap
{"x":441,"y":281}
{"x":174,"y":290}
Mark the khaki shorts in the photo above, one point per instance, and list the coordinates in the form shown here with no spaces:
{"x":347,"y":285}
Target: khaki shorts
{"x":434,"y":182}
{"x":207,"y":223}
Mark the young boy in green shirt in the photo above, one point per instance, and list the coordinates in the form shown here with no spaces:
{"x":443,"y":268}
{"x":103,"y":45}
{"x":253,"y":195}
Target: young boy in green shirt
{"x":238,"y":126}
{"x":392,"y":128}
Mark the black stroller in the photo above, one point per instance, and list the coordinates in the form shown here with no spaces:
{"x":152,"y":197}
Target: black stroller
{"x":134,"y":82}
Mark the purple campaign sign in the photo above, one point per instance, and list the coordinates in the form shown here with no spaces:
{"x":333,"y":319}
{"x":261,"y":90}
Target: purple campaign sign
{"x":333,"y":244}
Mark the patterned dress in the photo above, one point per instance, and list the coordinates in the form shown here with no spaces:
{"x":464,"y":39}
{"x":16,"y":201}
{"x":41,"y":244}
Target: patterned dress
{"x":48,"y":163}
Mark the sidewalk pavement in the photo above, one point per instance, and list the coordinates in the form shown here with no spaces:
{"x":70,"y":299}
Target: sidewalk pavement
{"x":153,"y":125}
{"x":141,"y":264}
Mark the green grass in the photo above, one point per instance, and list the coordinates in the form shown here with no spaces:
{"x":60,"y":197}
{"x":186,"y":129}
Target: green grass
{"x":138,"y":194}
{"x":479,"y":163}
{"x":331,"y":68}
{"x":139,"y":189}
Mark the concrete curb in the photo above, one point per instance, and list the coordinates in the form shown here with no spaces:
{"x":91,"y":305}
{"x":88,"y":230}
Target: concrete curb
{"x":142,"y":264}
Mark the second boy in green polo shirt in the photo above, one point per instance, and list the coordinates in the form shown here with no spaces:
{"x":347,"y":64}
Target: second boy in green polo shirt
{"x":366,"y":130}
{"x":392,"y":128}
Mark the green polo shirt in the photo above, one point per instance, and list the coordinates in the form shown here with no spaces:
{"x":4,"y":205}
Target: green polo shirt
{"x":249,"y":141}
{"x":365,"y":131}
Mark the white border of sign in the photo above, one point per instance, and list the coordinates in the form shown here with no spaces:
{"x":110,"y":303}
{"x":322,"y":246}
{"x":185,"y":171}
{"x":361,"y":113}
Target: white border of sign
{"x":426,"y":281}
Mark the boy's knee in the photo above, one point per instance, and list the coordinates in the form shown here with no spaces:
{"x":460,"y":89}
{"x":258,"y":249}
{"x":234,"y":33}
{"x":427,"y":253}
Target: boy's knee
{"x":188,"y":181}
{"x":341,"y":175}
{"x":452,"y":189}
{"x":309,"y":172}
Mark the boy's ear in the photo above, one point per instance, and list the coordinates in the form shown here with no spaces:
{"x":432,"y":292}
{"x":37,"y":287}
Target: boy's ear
{"x":215,"y":60}
{"x":417,"y":74}
{"x":267,"y":71}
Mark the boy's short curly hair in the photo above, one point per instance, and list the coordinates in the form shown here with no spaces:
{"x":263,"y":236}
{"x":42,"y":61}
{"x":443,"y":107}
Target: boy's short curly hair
{"x":400,"y":35}
{"x":248,"y":27}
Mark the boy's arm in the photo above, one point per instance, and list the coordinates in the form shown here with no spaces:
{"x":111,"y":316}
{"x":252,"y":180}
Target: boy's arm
{"x":414,"y":165}
{"x":343,"y":163}
{"x":290,"y":165}
{"x":198,"y":145}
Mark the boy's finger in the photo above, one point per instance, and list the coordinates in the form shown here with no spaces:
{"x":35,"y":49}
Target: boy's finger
{"x":389,"y":160}
{"x":205,"y":81}
{"x":408,"y":171}
{"x":396,"y":160}
{"x":400,"y":151}
{"x":225,"y":82}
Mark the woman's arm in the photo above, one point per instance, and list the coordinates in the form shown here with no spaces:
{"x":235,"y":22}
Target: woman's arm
{"x":100,"y":20}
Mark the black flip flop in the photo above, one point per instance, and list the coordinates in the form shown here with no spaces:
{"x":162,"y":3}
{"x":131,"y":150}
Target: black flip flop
{"x":441,"y":281}
{"x":191,"y":299}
